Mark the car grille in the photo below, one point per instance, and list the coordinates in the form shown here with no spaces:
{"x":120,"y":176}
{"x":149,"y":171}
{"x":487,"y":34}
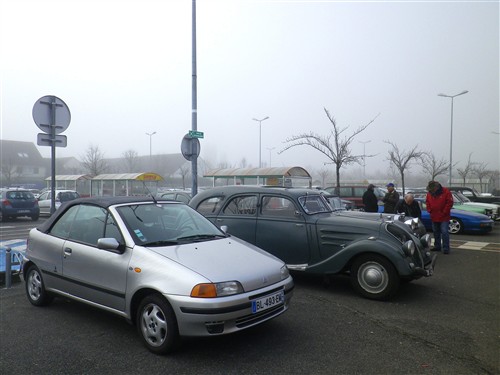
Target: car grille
{"x":252,"y":319}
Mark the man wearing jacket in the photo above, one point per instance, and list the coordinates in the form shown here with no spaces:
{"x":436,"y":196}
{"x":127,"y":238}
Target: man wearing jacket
{"x":439,"y":203}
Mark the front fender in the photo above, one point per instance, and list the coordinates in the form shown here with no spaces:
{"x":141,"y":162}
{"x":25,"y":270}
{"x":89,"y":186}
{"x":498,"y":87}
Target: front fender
{"x":341,"y":261}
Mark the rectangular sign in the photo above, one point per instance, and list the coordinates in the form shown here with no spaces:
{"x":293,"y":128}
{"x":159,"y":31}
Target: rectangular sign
{"x":195,"y":134}
{"x":46,"y":140}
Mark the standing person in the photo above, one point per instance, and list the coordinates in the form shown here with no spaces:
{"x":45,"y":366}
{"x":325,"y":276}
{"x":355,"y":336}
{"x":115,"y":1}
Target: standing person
{"x":390,"y":199}
{"x":370,"y":200}
{"x":439,"y":203}
{"x":409,"y":206}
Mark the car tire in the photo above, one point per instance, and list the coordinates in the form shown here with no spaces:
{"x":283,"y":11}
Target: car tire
{"x":456,"y":226}
{"x":35,"y":288}
{"x":374,"y":277}
{"x":157,"y":324}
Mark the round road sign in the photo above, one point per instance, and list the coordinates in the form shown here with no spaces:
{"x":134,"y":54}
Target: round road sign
{"x":51,"y":112}
{"x":190,"y":147}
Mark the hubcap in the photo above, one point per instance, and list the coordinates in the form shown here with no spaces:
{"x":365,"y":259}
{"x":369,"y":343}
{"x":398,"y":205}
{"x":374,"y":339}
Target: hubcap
{"x":373,"y":277}
{"x":154,"y":325}
{"x":34,"y":285}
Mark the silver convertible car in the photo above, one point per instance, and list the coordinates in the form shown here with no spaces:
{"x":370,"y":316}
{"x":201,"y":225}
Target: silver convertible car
{"x":159,"y":264}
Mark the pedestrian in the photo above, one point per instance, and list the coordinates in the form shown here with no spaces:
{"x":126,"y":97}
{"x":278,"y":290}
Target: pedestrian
{"x":409,"y":206}
{"x":370,"y":200}
{"x":391,"y":198}
{"x":439,"y":203}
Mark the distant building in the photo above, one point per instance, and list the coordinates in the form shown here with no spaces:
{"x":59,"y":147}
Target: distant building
{"x":21,"y":164}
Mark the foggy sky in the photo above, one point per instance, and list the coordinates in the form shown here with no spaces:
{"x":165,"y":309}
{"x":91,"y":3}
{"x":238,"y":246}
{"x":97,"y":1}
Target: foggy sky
{"x":124,"y":70}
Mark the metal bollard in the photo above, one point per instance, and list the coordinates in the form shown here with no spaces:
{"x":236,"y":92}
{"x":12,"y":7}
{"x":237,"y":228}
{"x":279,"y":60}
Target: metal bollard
{"x":8,"y":268}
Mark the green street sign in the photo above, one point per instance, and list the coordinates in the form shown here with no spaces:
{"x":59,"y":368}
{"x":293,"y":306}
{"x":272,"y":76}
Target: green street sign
{"x":195,"y":134}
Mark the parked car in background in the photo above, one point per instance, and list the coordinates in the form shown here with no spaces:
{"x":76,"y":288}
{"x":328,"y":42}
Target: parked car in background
{"x":16,"y":203}
{"x":355,"y":194}
{"x":300,"y":227}
{"x":461,"y":221}
{"x":45,"y":199}
{"x":475,"y":196}
{"x":176,"y":195}
{"x":159,"y":264}
{"x":462,"y":203}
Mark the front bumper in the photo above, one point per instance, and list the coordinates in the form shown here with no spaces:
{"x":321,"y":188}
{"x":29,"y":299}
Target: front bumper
{"x":428,"y":269}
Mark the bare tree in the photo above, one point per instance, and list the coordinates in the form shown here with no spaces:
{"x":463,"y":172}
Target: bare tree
{"x":324,"y":174}
{"x":337,"y":149}
{"x":403,"y":159}
{"x":479,"y":169}
{"x":433,"y":166}
{"x":184,"y":170}
{"x":94,"y":162}
{"x":8,"y":172}
{"x":464,"y":172}
{"x":131,"y":160}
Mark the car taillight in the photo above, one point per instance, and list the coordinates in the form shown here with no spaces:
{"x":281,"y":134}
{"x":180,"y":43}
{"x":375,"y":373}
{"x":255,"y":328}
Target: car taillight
{"x":6,"y":202}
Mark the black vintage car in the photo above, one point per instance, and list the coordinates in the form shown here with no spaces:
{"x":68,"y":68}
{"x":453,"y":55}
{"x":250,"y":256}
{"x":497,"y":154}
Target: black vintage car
{"x":300,"y":227}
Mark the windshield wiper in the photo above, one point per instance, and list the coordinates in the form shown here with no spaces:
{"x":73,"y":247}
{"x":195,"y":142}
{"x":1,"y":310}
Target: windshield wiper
{"x":201,"y":237}
{"x":160,"y":243}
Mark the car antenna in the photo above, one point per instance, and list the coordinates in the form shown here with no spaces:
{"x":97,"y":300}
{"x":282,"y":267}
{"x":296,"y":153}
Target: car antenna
{"x":149,"y":191}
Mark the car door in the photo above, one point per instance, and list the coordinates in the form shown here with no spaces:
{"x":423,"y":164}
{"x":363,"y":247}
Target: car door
{"x":90,"y":273}
{"x":44,"y":203}
{"x":282,"y":230}
{"x":239,"y":214}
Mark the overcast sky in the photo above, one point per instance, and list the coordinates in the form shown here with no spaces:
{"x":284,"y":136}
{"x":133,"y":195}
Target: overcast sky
{"x":124,"y":70}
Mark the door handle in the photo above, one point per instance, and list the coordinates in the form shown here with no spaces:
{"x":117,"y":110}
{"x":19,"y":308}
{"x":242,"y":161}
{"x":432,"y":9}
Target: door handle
{"x":67,"y":250}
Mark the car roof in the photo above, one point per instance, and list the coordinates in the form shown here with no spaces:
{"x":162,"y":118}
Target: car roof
{"x":234,"y":189}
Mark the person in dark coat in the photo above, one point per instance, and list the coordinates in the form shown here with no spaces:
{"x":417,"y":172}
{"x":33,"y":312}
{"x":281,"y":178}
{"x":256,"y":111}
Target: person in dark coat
{"x":409,"y":206}
{"x":370,"y":200}
{"x":390,"y":199}
{"x":439,"y":203}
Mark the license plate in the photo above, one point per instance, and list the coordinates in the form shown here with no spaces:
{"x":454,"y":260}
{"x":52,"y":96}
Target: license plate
{"x":268,"y":301}
{"x":23,"y":211}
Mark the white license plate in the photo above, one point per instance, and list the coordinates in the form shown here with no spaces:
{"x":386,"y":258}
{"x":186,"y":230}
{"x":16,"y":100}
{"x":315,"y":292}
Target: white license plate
{"x":268,"y":301}
{"x":23,"y":211}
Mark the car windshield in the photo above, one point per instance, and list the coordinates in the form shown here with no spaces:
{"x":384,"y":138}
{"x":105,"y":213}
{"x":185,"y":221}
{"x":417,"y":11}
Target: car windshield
{"x":462,"y":197}
{"x":166,"y":224}
{"x":313,"y":204}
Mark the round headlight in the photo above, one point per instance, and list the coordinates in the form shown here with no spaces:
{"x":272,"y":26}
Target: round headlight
{"x":425,"y":240}
{"x":409,"y":248}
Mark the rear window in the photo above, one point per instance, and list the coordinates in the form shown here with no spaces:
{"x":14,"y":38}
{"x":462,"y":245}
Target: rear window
{"x":26,"y":195}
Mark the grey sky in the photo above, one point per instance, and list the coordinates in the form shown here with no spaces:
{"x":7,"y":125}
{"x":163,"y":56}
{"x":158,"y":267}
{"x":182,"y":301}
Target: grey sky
{"x":124,"y":69}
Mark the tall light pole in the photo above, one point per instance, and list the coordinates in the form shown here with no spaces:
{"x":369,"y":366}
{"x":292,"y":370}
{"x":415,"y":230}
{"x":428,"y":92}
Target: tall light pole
{"x":364,"y":156}
{"x":270,"y":149}
{"x":260,"y":138}
{"x":150,"y":145}
{"x":451,"y":129}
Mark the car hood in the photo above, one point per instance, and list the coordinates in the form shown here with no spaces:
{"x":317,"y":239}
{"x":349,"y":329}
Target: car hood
{"x":354,"y":221}
{"x":226,"y":259}
{"x":490,"y":206}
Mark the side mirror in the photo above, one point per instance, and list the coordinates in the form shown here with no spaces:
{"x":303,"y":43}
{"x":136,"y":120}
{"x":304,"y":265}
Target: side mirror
{"x":224,"y":228}
{"x":110,"y":244}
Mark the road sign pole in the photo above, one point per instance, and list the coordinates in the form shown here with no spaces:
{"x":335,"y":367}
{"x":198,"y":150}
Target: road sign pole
{"x":53,"y":155}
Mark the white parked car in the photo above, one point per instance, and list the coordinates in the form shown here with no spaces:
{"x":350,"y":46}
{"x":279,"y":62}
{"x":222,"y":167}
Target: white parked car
{"x":45,"y":199}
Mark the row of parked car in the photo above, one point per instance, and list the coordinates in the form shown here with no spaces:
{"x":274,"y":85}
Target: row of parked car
{"x":218,"y":265}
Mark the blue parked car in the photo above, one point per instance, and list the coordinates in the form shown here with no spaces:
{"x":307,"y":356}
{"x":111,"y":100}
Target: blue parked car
{"x":18,"y":203}
{"x":461,"y":221}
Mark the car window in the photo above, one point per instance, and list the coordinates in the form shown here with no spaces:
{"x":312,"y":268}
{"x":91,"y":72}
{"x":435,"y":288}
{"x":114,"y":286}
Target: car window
{"x":313,"y":204}
{"x":182,"y":198}
{"x":359,"y":191}
{"x":277,"y":206}
{"x":20,"y":195}
{"x":345,"y":192}
{"x":62,"y":226}
{"x":44,"y":196}
{"x":88,"y":224}
{"x":210,"y":205}
{"x":242,"y":205}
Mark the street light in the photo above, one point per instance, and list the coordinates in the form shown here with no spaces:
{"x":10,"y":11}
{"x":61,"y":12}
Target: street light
{"x":364,"y":156}
{"x":150,"y":144}
{"x":270,"y":149}
{"x":451,"y":129}
{"x":260,"y":139}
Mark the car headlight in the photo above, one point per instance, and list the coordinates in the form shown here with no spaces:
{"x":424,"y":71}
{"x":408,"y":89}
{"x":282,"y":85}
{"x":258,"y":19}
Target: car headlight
{"x":409,"y":248}
{"x":212,"y":290}
{"x":425,"y":240}
{"x":284,"y":272}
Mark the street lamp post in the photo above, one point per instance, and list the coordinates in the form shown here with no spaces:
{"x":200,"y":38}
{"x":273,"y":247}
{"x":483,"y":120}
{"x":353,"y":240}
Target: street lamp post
{"x":150,"y":144}
{"x":364,"y":156}
{"x":451,"y":130}
{"x":260,"y":138}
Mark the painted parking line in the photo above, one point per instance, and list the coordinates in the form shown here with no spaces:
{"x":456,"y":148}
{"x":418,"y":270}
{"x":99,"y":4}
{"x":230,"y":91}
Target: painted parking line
{"x":473,"y":245}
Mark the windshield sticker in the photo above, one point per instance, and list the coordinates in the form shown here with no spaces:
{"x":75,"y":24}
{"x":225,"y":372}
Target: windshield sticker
{"x":139,"y":235}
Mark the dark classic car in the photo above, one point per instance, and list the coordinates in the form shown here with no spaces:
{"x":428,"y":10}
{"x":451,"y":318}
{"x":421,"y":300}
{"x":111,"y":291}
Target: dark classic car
{"x":300,"y":227}
{"x":475,"y":196}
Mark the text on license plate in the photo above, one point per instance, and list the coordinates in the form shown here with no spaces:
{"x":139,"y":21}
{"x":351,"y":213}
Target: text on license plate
{"x":23,"y":211}
{"x":268,"y":301}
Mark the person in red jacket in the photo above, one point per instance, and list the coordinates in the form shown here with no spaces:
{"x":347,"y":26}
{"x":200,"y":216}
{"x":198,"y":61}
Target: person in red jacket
{"x":439,"y":202}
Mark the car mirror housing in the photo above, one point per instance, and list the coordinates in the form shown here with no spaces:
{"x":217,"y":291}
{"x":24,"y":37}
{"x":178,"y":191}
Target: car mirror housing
{"x":109,"y":244}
